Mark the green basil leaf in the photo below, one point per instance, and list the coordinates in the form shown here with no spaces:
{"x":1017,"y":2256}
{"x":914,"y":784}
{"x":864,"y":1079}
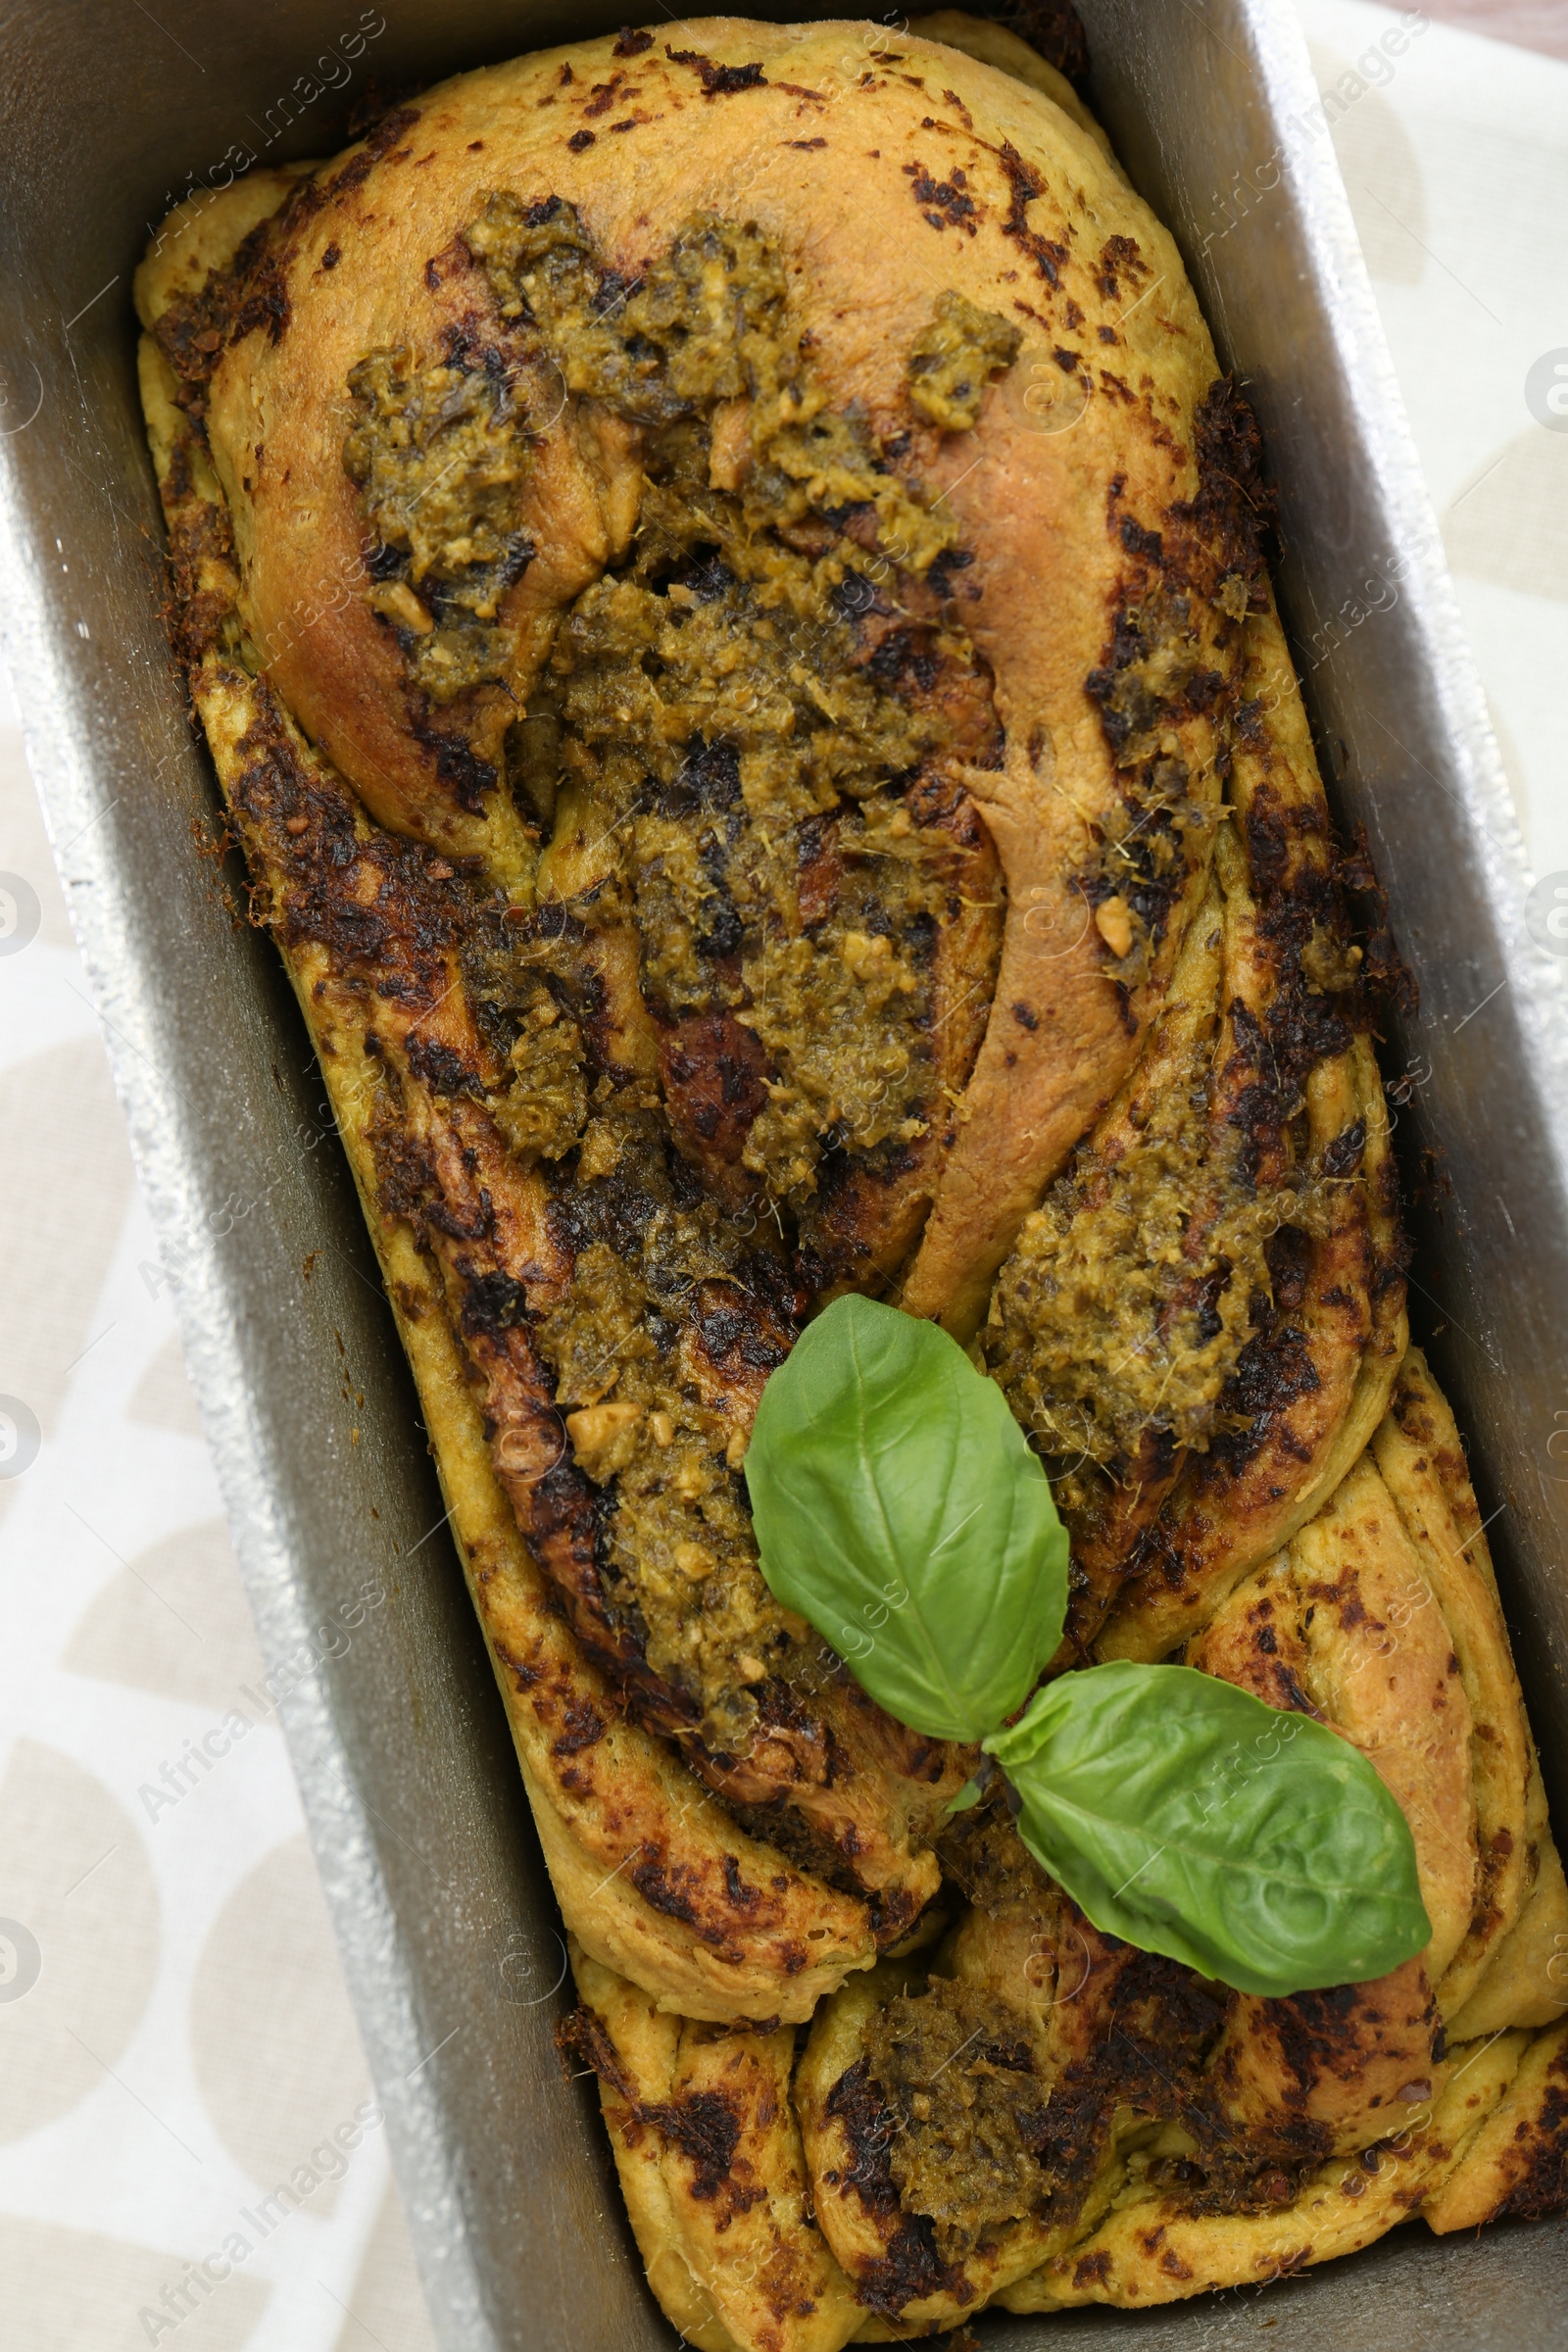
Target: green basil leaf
{"x":900,"y":1510}
{"x":1188,"y":1818}
{"x":973,"y":1789}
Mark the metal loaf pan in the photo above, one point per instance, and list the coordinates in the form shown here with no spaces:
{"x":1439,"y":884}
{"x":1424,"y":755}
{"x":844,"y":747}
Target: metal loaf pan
{"x":444,"y":1914}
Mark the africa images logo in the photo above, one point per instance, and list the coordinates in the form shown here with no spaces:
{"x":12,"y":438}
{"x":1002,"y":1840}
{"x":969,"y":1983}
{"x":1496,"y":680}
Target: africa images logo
{"x":20,"y":1960}
{"x":1546,"y":391}
{"x":1547,"y":913}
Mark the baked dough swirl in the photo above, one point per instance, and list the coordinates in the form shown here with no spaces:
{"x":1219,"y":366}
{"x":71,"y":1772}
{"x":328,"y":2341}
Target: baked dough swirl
{"x":724,"y":587}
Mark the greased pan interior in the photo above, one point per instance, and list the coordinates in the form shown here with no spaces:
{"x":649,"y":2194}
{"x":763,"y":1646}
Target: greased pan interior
{"x":410,"y":1787}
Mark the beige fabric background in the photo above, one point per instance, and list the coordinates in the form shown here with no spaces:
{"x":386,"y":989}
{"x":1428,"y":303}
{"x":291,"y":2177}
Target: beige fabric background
{"x":175,"y":2038}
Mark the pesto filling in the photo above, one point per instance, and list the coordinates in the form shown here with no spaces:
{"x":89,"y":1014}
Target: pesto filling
{"x":663,"y":1277}
{"x":970,"y":2108}
{"x":739,"y":716}
{"x":1151,"y":842}
{"x":953,"y":359}
{"x":441,"y":456}
{"x":1123,"y":1312}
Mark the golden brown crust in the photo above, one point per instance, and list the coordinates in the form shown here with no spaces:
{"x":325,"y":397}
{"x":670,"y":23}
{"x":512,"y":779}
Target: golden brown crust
{"x":1053,"y":1047}
{"x":1526,"y":1979}
{"x":650,"y":1873}
{"x":1490,"y":2139}
{"x":1149,"y":2251}
{"x":1517,"y":2161}
{"x":1418,"y":1453}
{"x":709,"y":2152}
{"x":993,"y":45}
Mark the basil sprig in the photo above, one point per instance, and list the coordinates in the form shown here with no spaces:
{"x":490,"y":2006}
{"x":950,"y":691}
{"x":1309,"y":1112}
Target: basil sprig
{"x":898,"y":1509}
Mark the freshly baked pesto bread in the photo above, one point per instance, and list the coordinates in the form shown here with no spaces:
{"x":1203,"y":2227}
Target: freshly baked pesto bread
{"x":724,"y":585}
